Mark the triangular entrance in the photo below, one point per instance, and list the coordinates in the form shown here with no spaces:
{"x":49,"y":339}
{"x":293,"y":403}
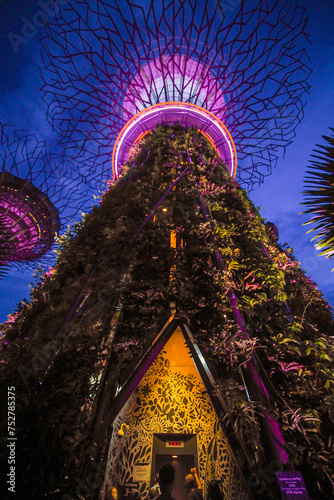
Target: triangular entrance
{"x":170,"y":399}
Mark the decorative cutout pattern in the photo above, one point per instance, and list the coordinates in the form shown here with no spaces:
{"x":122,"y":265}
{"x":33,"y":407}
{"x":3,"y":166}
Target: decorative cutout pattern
{"x":170,"y":402}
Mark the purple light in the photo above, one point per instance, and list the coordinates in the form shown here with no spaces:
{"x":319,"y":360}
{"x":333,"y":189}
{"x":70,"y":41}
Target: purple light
{"x":173,"y":78}
{"x":40,"y":191}
{"x":238,"y":67}
{"x":278,"y":441}
{"x":170,"y":113}
{"x":28,"y":220}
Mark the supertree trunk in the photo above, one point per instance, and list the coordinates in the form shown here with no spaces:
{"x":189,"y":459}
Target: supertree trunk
{"x":262,"y":326}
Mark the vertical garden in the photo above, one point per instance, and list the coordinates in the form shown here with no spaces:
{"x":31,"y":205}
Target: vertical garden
{"x":243,"y":295}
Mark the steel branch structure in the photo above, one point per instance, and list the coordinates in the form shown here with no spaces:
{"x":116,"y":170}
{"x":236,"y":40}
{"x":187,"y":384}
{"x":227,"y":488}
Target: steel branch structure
{"x":41,"y":192}
{"x":111,"y":64}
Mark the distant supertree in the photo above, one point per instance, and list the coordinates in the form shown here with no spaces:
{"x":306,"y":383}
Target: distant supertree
{"x":319,"y":196}
{"x":109,"y":63}
{"x":41,"y":192}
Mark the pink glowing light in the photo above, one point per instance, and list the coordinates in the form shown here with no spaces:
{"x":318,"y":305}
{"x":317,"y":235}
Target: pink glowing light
{"x":174,"y":78}
{"x":28,"y":220}
{"x":170,"y":113}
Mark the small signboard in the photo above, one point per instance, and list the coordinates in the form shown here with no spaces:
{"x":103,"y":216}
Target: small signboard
{"x":292,"y":485}
{"x":131,"y":485}
{"x":130,"y":490}
{"x":142,"y":472}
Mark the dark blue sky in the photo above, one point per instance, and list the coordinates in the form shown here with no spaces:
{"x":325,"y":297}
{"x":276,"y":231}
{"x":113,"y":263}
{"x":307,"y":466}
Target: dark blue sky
{"x":21,"y":105}
{"x":281,"y":192}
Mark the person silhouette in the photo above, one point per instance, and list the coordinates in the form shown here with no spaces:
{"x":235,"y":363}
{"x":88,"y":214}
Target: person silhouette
{"x":155,"y":490}
{"x":166,"y":481}
{"x":193,"y":485}
{"x":112,"y":493}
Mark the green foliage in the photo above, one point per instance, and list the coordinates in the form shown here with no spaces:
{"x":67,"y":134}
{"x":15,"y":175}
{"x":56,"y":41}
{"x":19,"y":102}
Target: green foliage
{"x":108,"y":296}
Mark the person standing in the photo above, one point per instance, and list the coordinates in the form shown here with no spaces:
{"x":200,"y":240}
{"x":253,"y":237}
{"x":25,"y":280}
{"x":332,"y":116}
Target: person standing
{"x":112,"y":493}
{"x":166,"y":481}
{"x":155,"y":490}
{"x":193,"y":485}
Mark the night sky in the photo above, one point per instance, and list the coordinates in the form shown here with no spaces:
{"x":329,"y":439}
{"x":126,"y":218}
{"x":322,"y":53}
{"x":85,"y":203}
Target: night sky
{"x":280,"y":195}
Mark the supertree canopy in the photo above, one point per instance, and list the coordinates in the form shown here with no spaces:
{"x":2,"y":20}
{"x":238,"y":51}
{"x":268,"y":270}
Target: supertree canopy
{"x":113,"y":70}
{"x":167,"y":98}
{"x":28,"y":220}
{"x":41,"y":192}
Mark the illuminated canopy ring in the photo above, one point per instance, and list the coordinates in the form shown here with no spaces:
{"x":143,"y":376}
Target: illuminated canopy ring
{"x":107,"y":61}
{"x":170,"y":113}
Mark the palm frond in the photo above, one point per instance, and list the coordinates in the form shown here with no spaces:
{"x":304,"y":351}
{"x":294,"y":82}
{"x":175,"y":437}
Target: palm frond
{"x":4,"y":270}
{"x":319,"y":196}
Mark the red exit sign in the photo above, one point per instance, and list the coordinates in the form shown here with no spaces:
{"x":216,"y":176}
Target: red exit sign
{"x":174,"y":444}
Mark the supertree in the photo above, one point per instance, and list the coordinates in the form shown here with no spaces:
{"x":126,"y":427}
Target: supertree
{"x":175,"y":243}
{"x":142,"y":63}
{"x":41,"y":193}
{"x":175,"y":250}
